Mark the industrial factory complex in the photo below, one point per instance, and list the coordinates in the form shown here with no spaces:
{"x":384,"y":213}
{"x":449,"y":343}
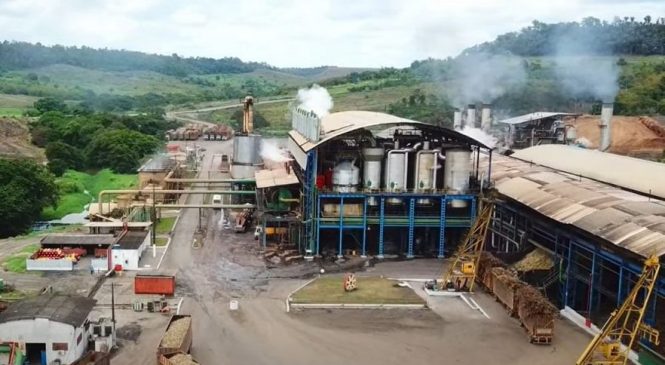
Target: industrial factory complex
{"x":350,"y":190}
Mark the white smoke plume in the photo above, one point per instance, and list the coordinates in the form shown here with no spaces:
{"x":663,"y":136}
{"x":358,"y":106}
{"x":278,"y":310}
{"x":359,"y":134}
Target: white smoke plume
{"x":581,"y":70}
{"x":480,"y":136}
{"x":271,"y":151}
{"x":316,"y":99}
{"x":483,"y":77}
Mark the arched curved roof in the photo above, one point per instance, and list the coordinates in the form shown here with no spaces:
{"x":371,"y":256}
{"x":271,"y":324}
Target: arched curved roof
{"x":337,"y":124}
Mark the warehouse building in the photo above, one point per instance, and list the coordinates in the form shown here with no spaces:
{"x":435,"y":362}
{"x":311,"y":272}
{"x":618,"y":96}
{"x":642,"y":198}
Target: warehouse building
{"x":598,"y":215}
{"x":53,"y":329}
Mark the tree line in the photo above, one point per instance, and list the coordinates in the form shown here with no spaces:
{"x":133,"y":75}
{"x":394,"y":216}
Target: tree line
{"x":22,"y":55}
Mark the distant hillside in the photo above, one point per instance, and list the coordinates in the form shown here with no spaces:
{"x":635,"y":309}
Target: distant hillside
{"x":623,"y":36}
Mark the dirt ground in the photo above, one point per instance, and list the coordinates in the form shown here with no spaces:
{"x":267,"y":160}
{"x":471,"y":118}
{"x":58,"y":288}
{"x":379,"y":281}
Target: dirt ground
{"x":229,"y":266}
{"x":629,"y":135}
{"x":15,"y":140}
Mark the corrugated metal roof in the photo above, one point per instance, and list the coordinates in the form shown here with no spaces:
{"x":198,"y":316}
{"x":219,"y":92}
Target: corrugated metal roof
{"x":73,"y":310}
{"x":643,"y":176}
{"x":535,"y":116}
{"x":623,"y":218}
{"x":271,"y":178}
{"x":337,"y":124}
{"x":78,"y":239}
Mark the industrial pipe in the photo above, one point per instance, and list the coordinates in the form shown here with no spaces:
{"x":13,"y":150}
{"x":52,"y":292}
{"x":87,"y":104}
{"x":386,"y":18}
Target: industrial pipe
{"x":149,"y":191}
{"x":186,"y":180}
{"x":169,"y":206}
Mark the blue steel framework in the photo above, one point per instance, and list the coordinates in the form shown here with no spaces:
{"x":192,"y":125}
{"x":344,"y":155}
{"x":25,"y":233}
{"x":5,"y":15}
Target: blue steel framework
{"x":409,"y":221}
{"x":580,"y":262}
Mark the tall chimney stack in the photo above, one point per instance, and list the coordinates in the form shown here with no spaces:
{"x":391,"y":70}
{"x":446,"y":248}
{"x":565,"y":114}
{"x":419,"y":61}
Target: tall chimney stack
{"x":486,"y":118}
{"x":470,"y":120}
{"x":457,"y":120}
{"x":606,"y":126}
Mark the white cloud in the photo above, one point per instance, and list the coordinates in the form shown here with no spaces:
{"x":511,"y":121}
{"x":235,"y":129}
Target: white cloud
{"x":295,"y":32}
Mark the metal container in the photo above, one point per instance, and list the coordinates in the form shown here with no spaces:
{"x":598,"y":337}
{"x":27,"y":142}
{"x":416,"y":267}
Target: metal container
{"x":457,"y":120}
{"x":243,"y":171}
{"x":372,"y":171}
{"x":486,"y":118}
{"x":456,"y":174}
{"x":424,"y":180}
{"x":397,"y":163}
{"x":346,"y":177}
{"x":470,"y":120}
{"x":154,"y":284}
{"x":247,"y":150}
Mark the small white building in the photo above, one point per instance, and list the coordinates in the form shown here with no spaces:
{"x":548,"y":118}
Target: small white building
{"x":129,"y":248}
{"x":53,"y":328}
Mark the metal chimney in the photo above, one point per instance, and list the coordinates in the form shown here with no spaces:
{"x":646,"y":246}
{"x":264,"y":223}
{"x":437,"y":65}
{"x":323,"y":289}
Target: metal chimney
{"x":470,"y":120}
{"x":606,"y":126}
{"x":486,"y":118}
{"x":457,"y":120}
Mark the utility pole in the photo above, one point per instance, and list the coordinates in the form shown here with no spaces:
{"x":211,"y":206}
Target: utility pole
{"x":113,"y":305}
{"x":154,"y":216}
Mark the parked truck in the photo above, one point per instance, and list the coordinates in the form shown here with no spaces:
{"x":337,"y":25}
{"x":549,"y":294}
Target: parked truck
{"x":177,"y":337}
{"x":177,"y":359}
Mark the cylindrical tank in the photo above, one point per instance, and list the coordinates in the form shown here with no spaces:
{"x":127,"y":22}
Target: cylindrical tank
{"x":397,"y":162}
{"x":247,"y":150}
{"x":424,"y":180}
{"x":470,"y":120}
{"x":372,"y":171}
{"x":346,"y":177}
{"x":456,"y":173}
{"x":486,"y":118}
{"x":457,"y":120}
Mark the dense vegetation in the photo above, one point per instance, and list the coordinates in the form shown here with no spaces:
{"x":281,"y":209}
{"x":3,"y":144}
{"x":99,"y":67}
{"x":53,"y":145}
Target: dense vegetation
{"x":76,"y":138}
{"x":623,"y":36}
{"x":22,"y":55}
{"x":26,"y":188}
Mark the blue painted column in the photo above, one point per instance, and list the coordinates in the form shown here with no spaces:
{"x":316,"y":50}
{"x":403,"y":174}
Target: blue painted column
{"x":592,"y":281}
{"x":317,"y":214}
{"x":620,"y":287}
{"x":381,"y":226}
{"x":341,"y":227}
{"x":412,"y":212}
{"x":364,"y":251}
{"x":473,"y":210}
{"x":569,"y":273}
{"x":442,"y":228}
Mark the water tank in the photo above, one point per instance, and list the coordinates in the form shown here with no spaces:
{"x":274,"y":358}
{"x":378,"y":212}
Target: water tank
{"x":424,"y":180}
{"x":247,"y":150}
{"x":396,"y":173}
{"x":346,"y":177}
{"x":456,"y":174}
{"x":372,"y":168}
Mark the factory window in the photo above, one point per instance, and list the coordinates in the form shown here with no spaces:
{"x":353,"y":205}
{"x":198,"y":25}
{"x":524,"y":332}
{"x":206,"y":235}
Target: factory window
{"x":60,"y":346}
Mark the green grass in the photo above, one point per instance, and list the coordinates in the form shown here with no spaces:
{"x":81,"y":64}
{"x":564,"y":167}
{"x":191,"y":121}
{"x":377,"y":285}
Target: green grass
{"x":16,"y":101}
{"x":16,"y":262}
{"x":161,"y":241}
{"x":11,"y":112}
{"x":164,"y":225}
{"x":74,"y":199}
{"x":371,"y":290}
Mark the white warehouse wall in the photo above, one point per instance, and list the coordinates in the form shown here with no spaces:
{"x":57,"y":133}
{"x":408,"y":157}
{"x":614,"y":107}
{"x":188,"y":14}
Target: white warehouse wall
{"x":42,"y":330}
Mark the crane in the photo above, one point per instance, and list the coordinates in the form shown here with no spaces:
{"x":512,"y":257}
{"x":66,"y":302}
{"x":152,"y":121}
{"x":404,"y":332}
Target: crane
{"x":612,"y":345}
{"x":462,"y":273}
{"x":248,"y":115}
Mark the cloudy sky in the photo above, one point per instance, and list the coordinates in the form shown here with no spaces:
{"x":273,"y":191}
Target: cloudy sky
{"x":295,"y":32}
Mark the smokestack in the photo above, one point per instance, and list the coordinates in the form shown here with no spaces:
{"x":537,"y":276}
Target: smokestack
{"x":457,"y":120}
{"x":486,"y":118}
{"x":470,"y":116}
{"x":606,"y":126}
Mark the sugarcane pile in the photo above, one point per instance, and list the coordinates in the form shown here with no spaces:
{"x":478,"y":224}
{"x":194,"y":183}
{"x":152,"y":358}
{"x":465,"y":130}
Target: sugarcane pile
{"x":486,"y":263}
{"x":533,"y":304}
{"x":182,"y":359}
{"x":534,"y":260}
{"x":176,"y":332}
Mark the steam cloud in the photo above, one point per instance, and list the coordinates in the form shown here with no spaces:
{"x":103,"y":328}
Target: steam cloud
{"x":316,"y":99}
{"x":270,"y":151}
{"x":580,"y":72}
{"x":480,"y":135}
{"x":483,"y":77}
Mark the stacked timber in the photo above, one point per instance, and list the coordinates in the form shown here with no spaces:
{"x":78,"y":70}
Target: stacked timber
{"x":505,"y":285}
{"x":536,"y":314}
{"x":486,"y":263}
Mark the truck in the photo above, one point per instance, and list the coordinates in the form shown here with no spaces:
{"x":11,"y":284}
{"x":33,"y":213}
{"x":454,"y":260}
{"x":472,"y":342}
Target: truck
{"x":176,"y":359}
{"x":177,"y":337}
{"x":243,"y":220}
{"x":225,"y":165}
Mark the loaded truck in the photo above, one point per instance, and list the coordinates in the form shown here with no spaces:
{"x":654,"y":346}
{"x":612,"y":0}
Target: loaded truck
{"x":177,"y":338}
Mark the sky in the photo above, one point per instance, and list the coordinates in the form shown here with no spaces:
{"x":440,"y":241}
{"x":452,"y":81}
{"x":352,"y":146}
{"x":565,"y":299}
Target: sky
{"x":296,"y":33}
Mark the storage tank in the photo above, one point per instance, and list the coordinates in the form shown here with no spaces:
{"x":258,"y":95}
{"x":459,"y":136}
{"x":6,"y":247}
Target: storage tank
{"x":456,"y":173}
{"x":346,"y":177}
{"x":424,"y":179}
{"x":486,"y":118}
{"x":470,"y":120}
{"x":247,"y":149}
{"x":457,"y":120}
{"x":397,"y":162}
{"x":372,"y":171}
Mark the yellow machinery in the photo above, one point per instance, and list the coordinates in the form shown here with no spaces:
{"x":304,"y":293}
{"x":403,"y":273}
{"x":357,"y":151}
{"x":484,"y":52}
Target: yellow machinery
{"x":462,"y":273}
{"x":612,"y":345}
